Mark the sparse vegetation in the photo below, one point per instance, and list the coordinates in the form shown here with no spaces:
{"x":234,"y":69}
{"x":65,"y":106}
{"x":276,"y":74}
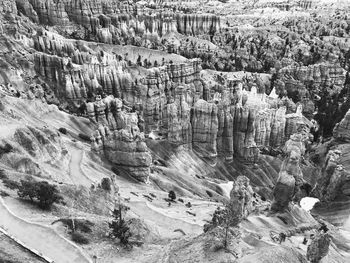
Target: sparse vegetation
{"x":210,"y":194}
{"x":11,"y":184}
{"x":3,"y":175}
{"x":44,"y":193}
{"x":119,"y":227}
{"x":5,"y":149}
{"x":74,"y":224}
{"x":3,"y":193}
{"x":62,"y":130}
{"x":172,"y":196}
{"x":80,"y":238}
{"x":106,"y":184}
{"x":224,"y":218}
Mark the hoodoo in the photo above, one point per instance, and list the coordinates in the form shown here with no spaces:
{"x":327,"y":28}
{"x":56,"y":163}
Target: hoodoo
{"x":174,"y":131}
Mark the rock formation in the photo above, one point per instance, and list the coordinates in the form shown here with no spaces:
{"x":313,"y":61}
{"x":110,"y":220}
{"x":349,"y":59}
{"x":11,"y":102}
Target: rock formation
{"x":342,"y":129}
{"x":205,"y":128}
{"x":290,"y":177}
{"x":119,"y":139}
{"x":241,"y":197}
{"x":117,"y":22}
{"x":319,"y":247}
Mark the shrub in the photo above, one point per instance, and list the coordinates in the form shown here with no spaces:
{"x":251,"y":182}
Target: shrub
{"x":62,"y":130}
{"x":79,"y":238}
{"x":84,"y":137}
{"x":82,"y":225}
{"x":209,"y":193}
{"x":45,"y":193}
{"x":3,"y":175}
{"x":106,"y":184}
{"x":27,"y":189}
{"x":172,"y":195}
{"x":4,"y":149}
{"x":11,"y":184}
{"x":3,"y":193}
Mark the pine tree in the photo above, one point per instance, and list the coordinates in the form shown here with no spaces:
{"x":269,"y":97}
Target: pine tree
{"x":119,"y":227}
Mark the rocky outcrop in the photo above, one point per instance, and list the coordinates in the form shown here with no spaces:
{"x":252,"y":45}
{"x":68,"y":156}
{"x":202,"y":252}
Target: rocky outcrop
{"x":333,"y":181}
{"x":123,"y":144}
{"x":117,"y":22}
{"x":178,"y":122}
{"x":205,"y":127}
{"x":237,"y":208}
{"x":166,"y":84}
{"x":334,"y":178}
{"x":290,"y":178}
{"x":241,"y":198}
{"x":242,"y":122}
{"x":319,"y":74}
{"x":342,"y":129}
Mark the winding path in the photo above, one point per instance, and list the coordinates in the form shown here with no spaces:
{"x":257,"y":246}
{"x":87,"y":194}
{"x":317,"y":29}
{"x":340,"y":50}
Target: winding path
{"x":77,"y":175}
{"x":40,"y":238}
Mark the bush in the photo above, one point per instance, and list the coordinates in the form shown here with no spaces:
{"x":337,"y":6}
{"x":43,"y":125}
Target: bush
{"x":45,"y":193}
{"x":11,"y":184}
{"x":28,"y":189}
{"x":3,"y":193}
{"x":84,"y":137}
{"x":4,"y":149}
{"x":3,"y":175}
{"x":172,"y":195}
{"x":189,"y":205}
{"x":210,"y":194}
{"x":79,"y":238}
{"x":106,"y":184}
{"x":62,"y":130}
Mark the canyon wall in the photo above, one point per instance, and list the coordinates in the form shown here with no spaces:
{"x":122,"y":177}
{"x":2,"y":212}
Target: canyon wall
{"x":117,"y":22}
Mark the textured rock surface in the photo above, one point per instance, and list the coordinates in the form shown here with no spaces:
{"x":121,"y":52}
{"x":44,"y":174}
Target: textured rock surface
{"x":290,"y":177}
{"x":241,"y":198}
{"x":342,"y":129}
{"x":319,"y":247}
{"x":115,"y":22}
{"x":193,"y":77}
{"x":205,"y":128}
{"x":124,"y":145}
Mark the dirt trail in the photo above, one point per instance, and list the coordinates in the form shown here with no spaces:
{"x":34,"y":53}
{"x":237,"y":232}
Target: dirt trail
{"x":165,"y":225}
{"x":43,"y":239}
{"x":77,"y":175}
